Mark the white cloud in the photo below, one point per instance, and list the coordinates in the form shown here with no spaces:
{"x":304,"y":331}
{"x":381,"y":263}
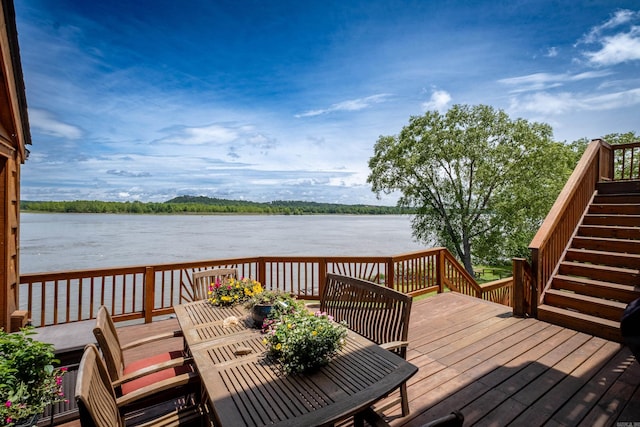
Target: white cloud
{"x":615,"y":47}
{"x":438,"y":101}
{"x":552,"y":52}
{"x":620,"y":17}
{"x":545,"y":81}
{"x":211,"y":134}
{"x":349,"y":105}
{"x":46,"y":123}
{"x":565,"y":102}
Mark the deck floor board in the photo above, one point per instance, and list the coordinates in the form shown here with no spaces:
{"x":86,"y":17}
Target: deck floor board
{"x":474,"y":356}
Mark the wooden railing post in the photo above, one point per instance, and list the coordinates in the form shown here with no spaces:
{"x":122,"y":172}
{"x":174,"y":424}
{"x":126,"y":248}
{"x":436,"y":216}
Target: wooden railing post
{"x":262,"y":271}
{"x":536,"y":282}
{"x":149,"y":293}
{"x":322,"y":275}
{"x":390,"y":280}
{"x":518,"y":287}
{"x":440,"y":271}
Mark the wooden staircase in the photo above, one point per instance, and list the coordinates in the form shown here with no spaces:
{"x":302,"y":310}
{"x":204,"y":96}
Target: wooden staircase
{"x":600,"y":271}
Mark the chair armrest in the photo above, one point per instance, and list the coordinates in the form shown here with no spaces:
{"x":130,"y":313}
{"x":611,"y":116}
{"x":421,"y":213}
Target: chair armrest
{"x":150,"y":390}
{"x":394,"y":345}
{"x":151,"y":369}
{"x":158,"y":337}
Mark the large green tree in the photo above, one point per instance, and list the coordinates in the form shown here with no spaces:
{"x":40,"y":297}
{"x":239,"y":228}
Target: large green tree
{"x":481,"y":182}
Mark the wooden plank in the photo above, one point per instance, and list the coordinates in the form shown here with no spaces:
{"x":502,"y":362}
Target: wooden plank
{"x":576,"y":408}
{"x":621,"y":395}
{"x":539,"y":412}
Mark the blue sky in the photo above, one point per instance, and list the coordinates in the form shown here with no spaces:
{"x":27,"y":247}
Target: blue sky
{"x":284,"y":100}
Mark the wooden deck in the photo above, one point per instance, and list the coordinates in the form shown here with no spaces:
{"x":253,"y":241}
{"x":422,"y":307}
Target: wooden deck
{"x":498,"y":370}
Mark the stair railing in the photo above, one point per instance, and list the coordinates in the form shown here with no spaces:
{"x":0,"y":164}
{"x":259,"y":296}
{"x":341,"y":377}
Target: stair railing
{"x":550,"y":242}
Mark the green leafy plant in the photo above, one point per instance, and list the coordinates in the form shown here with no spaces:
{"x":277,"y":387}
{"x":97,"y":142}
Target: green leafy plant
{"x":300,"y":340}
{"x":233,"y":291}
{"x":28,"y":379}
{"x":268,"y":297}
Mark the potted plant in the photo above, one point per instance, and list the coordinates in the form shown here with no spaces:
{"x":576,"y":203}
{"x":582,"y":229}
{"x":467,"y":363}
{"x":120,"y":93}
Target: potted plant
{"x":28,"y":380}
{"x":261,"y":304}
{"x":302,"y":341}
{"x":233,"y":291}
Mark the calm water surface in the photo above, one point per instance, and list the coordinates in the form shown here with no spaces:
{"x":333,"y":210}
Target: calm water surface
{"x":55,"y":242}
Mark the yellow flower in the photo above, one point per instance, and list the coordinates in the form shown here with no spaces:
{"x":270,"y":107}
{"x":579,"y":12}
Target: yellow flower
{"x":314,"y":333}
{"x":278,"y":346}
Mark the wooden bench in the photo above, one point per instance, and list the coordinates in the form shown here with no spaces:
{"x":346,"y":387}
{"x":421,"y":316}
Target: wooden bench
{"x":378,"y":313}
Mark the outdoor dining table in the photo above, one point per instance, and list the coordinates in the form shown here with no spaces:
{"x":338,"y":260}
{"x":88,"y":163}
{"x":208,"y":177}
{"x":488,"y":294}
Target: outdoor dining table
{"x":245,"y":387}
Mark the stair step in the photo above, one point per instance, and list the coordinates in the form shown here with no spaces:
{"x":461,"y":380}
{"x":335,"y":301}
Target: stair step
{"x":622,"y":208}
{"x":604,"y":328}
{"x":616,"y":187}
{"x":617,"y":198}
{"x":626,"y":276}
{"x":605,"y":244}
{"x":597,"y":288}
{"x":593,"y":306}
{"x":610,"y":231}
{"x":613,"y":259}
{"x":610,"y":219}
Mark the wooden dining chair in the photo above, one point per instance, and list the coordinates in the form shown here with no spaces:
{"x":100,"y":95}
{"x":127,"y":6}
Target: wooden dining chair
{"x":374,"y":311}
{"x":158,"y":366}
{"x":98,"y":405}
{"x":203,"y":279}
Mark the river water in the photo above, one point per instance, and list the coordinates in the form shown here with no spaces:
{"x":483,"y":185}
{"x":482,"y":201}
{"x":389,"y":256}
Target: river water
{"x":59,"y":242}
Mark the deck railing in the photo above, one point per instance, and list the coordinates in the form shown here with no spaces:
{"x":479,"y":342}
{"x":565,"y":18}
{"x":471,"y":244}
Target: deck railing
{"x":143,"y":292}
{"x":600,"y":161}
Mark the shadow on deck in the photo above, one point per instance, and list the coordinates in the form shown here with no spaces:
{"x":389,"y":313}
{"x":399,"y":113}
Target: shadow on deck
{"x":474,"y":356}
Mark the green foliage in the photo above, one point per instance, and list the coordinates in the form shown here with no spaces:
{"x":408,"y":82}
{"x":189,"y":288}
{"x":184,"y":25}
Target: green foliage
{"x":481,"y":183}
{"x":206,"y":205}
{"x":233,"y":291}
{"x":28,"y":379}
{"x":301,"y":341}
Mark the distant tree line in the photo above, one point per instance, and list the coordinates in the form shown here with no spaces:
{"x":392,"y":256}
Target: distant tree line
{"x":207,"y":205}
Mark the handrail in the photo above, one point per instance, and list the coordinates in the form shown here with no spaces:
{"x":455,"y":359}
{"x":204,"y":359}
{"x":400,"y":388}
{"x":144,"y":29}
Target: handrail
{"x":554,"y":234}
{"x":599,"y":162}
{"x":144,"y":292}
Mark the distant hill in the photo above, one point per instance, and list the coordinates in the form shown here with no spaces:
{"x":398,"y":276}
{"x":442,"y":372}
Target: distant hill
{"x":208,"y":205}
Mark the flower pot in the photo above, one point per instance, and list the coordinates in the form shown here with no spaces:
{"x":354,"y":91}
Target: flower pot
{"x":28,"y":422}
{"x":259,"y":312}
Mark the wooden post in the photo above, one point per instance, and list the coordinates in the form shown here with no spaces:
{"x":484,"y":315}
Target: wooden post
{"x":536,"y":285}
{"x":149,"y":294}
{"x":322,"y":275}
{"x":262,"y":272}
{"x":518,"y":287}
{"x":391,"y":274}
{"x":440,"y":271}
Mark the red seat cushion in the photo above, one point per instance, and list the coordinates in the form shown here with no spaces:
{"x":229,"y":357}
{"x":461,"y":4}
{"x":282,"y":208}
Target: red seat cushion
{"x":150,"y":379}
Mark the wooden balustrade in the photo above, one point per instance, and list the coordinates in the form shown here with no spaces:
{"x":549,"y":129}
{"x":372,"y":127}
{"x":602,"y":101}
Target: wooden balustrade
{"x":143,"y":292}
{"x":625,"y":161}
{"x":600,"y":161}
{"x":552,"y":237}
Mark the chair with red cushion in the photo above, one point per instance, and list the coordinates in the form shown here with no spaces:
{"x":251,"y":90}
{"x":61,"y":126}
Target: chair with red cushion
{"x":98,"y":405}
{"x":127,"y":378}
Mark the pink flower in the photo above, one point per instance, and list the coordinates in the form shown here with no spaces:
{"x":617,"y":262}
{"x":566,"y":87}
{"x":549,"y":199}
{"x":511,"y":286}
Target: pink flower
{"x":63,"y":369}
{"x":8,"y":404}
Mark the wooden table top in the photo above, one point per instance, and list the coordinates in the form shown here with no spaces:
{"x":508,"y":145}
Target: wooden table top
{"x":250,"y":389}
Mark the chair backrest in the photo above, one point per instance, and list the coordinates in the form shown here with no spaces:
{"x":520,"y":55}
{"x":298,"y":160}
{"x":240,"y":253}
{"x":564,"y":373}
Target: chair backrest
{"x":374,"y":311}
{"x":94,"y":395}
{"x":202,"y":280}
{"x":107,"y":338}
